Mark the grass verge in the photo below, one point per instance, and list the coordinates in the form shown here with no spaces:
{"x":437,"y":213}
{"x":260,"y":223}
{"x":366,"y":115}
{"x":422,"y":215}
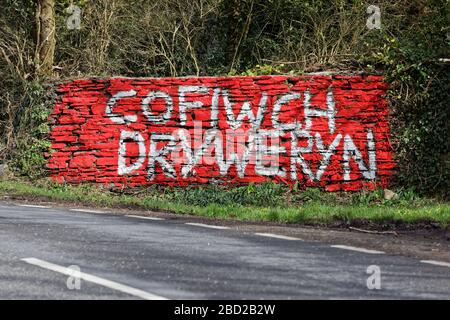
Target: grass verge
{"x":266,"y":203}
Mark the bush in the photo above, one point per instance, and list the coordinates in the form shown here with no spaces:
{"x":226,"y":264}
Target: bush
{"x":419,"y":96}
{"x":252,"y":195}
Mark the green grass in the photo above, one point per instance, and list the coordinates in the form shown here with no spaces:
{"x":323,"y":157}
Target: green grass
{"x":266,"y":202}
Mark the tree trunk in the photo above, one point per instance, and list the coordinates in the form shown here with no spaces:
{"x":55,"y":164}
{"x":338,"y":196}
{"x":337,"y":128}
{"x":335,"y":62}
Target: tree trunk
{"x":46,"y":40}
{"x":234,"y":20}
{"x":239,"y":19}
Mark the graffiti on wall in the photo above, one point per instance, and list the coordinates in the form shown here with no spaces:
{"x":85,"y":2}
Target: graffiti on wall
{"x":324,"y":131}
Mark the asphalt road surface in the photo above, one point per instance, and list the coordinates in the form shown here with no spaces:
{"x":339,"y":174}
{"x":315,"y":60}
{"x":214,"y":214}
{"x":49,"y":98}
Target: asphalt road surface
{"x":126,"y":257}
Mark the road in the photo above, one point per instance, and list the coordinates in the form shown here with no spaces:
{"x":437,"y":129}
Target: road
{"x":126,"y":257}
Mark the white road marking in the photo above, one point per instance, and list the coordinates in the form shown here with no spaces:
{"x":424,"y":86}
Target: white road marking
{"x":146,"y":218}
{"x":436,"y":263}
{"x":357,"y":249}
{"x":88,"y":210}
{"x":278,"y":236}
{"x":94,"y":279}
{"x":207,"y":226}
{"x":33,"y":206}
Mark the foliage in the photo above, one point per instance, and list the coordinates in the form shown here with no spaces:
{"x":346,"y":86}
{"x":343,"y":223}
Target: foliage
{"x":252,"y":194}
{"x":32,"y":145}
{"x":419,"y":96}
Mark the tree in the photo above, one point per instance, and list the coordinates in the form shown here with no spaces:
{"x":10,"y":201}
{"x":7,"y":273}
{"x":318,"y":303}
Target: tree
{"x":45,"y":37}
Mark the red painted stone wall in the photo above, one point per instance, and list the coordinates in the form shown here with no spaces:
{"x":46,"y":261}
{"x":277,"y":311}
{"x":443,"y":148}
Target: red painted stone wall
{"x":326,"y":131}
